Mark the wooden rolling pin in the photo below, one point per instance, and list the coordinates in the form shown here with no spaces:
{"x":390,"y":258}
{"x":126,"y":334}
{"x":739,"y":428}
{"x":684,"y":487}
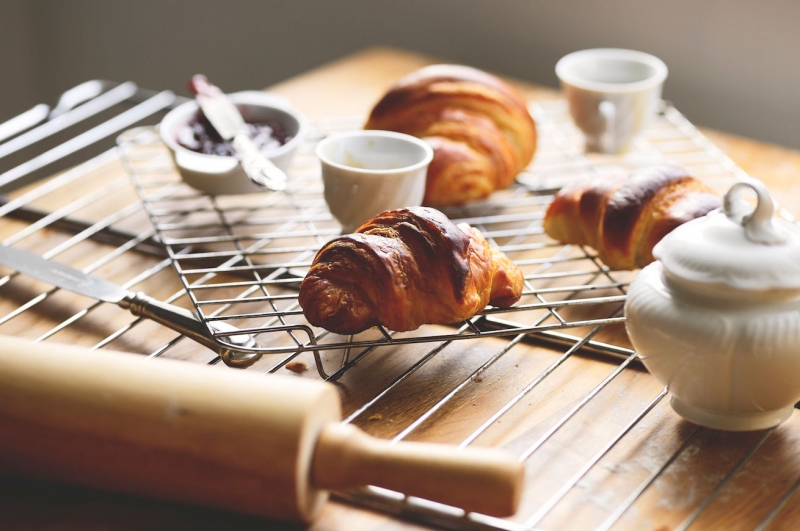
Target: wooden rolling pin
{"x":265,"y":445}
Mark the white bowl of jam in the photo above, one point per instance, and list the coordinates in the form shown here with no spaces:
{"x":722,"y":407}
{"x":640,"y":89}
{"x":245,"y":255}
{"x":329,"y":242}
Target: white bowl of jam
{"x":206,"y":162}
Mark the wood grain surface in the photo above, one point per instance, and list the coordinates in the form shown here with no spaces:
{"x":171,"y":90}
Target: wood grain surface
{"x":704,"y":457}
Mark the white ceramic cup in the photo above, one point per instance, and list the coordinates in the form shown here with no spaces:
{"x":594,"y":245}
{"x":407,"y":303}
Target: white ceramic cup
{"x":612,"y":94}
{"x":368,"y":172}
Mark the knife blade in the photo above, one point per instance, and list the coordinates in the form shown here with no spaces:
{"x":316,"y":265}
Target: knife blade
{"x":235,"y":350}
{"x":230,"y":125}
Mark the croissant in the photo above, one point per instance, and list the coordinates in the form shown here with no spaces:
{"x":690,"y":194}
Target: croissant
{"x":623,"y":218}
{"x":404,"y":268}
{"x":478,"y":125}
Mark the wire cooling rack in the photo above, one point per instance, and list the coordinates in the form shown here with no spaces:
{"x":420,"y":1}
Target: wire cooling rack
{"x":580,"y":429}
{"x":241,"y":258}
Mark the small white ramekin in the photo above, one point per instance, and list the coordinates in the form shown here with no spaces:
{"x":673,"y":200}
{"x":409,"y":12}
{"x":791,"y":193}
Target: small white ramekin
{"x":368,"y":172}
{"x":218,"y":175}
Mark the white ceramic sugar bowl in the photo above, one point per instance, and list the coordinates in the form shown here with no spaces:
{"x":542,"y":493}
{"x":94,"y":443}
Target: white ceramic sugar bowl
{"x":717,"y":317}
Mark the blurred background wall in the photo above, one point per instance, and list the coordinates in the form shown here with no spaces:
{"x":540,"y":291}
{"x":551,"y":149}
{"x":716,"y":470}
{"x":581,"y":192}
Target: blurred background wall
{"x":733,"y":63}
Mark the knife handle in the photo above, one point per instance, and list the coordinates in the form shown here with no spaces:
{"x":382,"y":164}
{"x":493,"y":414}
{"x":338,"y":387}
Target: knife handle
{"x":187,"y":323}
{"x":256,"y":165}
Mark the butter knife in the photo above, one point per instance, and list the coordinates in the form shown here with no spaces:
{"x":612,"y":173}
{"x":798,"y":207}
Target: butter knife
{"x":235,"y":350}
{"x":228,"y":121}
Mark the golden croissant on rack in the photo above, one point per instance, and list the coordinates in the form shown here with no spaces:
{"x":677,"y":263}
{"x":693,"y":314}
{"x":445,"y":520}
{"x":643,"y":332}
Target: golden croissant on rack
{"x":478,"y":125}
{"x":405,"y":268}
{"x":623,"y":218}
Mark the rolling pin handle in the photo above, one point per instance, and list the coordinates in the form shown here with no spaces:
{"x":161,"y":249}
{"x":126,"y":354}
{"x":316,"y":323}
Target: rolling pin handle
{"x":484,"y":480}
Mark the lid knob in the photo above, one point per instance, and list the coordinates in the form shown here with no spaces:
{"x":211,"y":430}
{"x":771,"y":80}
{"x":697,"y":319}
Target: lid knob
{"x":758,"y":226}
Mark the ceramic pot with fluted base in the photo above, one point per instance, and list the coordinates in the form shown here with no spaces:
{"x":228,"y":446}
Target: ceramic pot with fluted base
{"x":717,"y":317}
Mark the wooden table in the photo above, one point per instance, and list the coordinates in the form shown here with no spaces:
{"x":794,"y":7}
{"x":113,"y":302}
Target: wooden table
{"x":350,"y":87}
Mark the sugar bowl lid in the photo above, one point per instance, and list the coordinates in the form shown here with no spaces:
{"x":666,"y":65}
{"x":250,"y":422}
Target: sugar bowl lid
{"x":737,"y":246}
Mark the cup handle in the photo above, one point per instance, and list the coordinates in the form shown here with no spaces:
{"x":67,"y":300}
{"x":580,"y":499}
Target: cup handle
{"x":608,"y":111}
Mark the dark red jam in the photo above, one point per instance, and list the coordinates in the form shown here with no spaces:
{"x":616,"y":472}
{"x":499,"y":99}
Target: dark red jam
{"x":198,"y":135}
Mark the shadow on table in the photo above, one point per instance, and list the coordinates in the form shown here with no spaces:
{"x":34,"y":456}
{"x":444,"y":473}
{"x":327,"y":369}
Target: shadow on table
{"x":29,"y":505}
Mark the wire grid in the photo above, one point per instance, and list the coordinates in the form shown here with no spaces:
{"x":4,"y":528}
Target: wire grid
{"x":555,"y":276}
{"x":241,"y":258}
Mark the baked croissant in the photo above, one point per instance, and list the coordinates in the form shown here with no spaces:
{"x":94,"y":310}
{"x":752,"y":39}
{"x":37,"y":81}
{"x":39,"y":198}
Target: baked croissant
{"x":404,"y":268}
{"x":623,"y":218}
{"x":478,"y":125}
